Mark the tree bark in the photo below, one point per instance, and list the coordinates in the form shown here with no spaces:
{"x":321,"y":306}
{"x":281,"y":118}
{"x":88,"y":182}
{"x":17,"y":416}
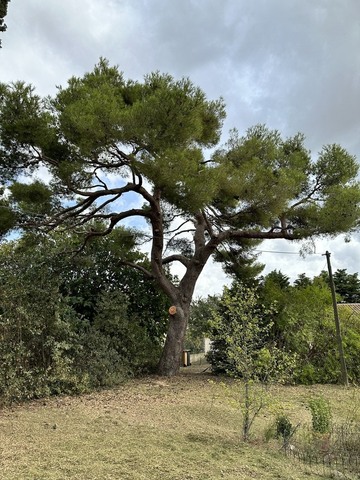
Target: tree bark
{"x":181,"y":296}
{"x":170,"y":360}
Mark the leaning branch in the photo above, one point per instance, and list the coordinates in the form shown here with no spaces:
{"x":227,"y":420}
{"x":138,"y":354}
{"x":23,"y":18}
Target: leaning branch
{"x":256,"y":235}
{"x":176,"y":258}
{"x":138,"y":267}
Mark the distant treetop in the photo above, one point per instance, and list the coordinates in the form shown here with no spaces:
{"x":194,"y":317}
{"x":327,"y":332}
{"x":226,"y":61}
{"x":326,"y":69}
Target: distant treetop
{"x":3,"y":12}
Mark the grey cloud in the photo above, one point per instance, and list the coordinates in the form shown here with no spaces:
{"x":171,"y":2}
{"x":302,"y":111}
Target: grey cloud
{"x":293,"y":65}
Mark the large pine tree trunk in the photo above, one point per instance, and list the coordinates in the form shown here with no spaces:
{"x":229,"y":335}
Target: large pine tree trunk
{"x":171,"y":356}
{"x":180,"y":294}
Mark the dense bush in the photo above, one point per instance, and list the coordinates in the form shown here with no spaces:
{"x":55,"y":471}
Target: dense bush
{"x":242,"y":344}
{"x":50,"y":344}
{"x":320,"y":414}
{"x":301,"y":325}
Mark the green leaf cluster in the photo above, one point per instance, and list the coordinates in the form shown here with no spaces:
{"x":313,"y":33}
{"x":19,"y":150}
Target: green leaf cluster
{"x":35,"y":197}
{"x":68,"y":325}
{"x":272,"y":182}
{"x":298,"y":334}
{"x":241,"y":338}
{"x":320,"y":414}
{"x":25,"y":124}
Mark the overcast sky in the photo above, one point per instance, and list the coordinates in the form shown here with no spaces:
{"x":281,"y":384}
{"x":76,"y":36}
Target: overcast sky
{"x":291,"y":64}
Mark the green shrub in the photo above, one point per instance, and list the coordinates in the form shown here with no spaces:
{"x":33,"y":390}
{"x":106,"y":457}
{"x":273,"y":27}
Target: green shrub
{"x":49,"y":351}
{"x":321,"y":415}
{"x":284,"y":427}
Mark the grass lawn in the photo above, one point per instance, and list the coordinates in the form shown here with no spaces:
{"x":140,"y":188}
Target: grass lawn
{"x":155,"y":428}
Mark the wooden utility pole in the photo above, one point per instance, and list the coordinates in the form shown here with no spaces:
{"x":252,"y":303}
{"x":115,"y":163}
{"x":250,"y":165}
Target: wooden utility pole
{"x":344,"y":375}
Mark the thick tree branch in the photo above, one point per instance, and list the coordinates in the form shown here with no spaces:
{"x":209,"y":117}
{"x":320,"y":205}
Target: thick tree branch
{"x":199,"y":237}
{"x":256,"y":235}
{"x":177,"y":258}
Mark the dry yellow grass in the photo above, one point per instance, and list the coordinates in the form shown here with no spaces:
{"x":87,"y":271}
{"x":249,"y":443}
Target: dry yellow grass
{"x":152,"y":428}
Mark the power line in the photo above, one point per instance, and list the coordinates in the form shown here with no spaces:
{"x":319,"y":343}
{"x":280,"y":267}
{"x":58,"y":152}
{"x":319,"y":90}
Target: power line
{"x":285,"y":253}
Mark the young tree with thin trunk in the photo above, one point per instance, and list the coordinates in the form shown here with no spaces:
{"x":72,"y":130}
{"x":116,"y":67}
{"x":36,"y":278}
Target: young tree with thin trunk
{"x":118,"y":149}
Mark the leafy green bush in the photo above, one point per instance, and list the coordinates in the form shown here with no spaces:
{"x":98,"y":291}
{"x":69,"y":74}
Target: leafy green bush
{"x":321,"y":415}
{"x":238,"y":327}
{"x":48,"y":346}
{"x":242,"y":345}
